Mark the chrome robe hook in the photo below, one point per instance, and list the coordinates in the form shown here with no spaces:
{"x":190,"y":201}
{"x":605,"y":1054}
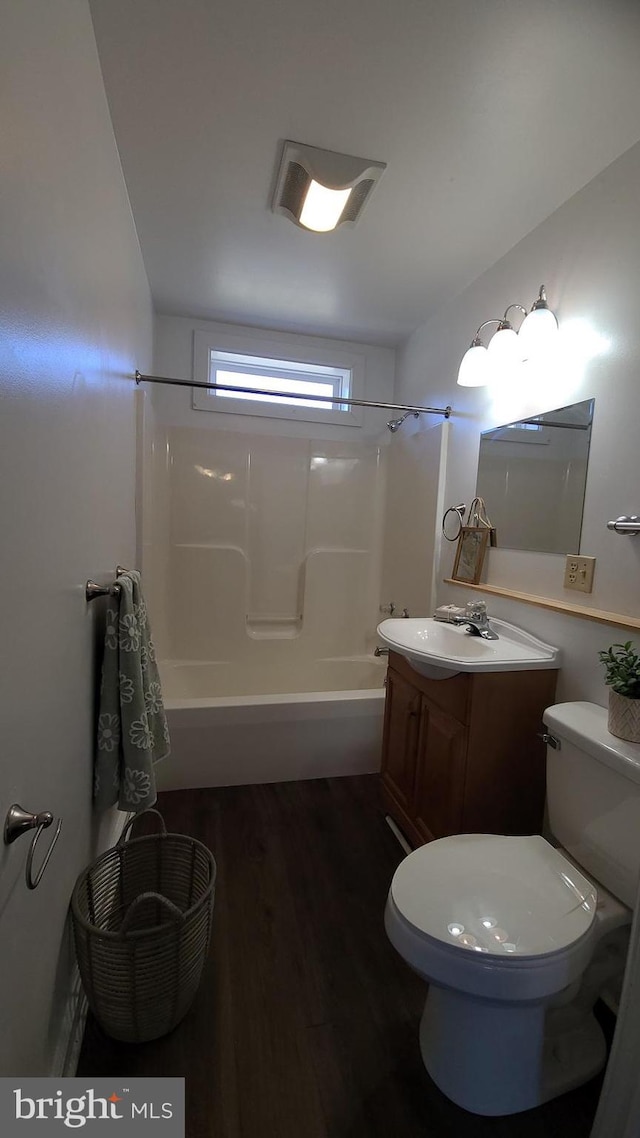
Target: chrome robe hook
{"x":18,"y":822}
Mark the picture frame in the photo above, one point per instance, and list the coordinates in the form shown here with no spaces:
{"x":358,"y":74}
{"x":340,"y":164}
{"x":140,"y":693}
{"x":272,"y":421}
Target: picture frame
{"x":470,"y":554}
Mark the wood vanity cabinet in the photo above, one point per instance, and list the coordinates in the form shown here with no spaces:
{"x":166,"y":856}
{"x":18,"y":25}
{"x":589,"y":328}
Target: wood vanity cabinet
{"x":464,"y":754}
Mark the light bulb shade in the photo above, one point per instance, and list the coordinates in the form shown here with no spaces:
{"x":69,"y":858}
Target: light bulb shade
{"x":538,"y":332}
{"x":322,"y":207}
{"x":474,"y":368}
{"x":504,"y":348}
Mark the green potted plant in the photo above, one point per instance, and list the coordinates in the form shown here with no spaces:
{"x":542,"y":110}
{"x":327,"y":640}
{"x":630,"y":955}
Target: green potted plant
{"x":622,"y":668}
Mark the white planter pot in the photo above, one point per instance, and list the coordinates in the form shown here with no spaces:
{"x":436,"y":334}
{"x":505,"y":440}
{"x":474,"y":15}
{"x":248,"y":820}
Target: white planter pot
{"x":624,"y":717}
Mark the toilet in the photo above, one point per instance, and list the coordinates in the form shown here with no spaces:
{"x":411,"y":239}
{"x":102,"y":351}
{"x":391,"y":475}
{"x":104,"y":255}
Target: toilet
{"x":517,"y":938}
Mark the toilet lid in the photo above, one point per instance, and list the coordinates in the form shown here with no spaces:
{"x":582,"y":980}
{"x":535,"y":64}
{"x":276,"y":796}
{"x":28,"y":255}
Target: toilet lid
{"x":493,"y":894}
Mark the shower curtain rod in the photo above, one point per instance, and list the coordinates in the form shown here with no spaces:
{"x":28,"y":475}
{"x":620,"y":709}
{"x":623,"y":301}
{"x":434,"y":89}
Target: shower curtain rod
{"x":446,"y":411}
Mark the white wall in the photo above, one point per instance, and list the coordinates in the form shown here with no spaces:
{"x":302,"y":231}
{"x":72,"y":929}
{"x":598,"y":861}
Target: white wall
{"x":76,"y":322}
{"x":587,"y":253}
{"x":173,"y":356}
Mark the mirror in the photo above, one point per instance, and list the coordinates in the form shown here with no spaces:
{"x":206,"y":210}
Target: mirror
{"x":532,"y":476}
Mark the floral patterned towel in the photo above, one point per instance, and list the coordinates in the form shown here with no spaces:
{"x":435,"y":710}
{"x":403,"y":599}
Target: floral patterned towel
{"x":132,"y":729}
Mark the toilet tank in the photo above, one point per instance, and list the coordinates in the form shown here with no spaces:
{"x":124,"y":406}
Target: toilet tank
{"x":593,"y":796}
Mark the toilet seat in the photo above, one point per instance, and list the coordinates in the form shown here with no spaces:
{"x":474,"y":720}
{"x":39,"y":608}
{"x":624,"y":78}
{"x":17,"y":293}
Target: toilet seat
{"x":544,"y":903}
{"x":491,"y":895}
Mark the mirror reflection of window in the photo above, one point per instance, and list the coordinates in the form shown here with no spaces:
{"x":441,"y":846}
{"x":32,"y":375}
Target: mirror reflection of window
{"x":532,"y":474}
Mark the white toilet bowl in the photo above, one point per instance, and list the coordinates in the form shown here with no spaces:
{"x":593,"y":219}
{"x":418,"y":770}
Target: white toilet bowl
{"x":503,"y":929}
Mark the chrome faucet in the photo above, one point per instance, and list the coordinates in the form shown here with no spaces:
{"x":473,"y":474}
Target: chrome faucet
{"x":477,"y":621}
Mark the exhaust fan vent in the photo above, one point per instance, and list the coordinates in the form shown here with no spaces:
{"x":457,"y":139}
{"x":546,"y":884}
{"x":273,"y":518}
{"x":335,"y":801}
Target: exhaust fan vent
{"x":357,"y":198}
{"x":320,"y":189}
{"x":294,"y":188}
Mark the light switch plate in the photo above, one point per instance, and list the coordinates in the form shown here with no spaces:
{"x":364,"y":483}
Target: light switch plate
{"x":578,"y":573}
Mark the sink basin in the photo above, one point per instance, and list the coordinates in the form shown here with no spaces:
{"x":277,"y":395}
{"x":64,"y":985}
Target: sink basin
{"x":438,"y":650}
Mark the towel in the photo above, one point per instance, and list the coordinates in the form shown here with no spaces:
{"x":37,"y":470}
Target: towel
{"x":132,"y":728}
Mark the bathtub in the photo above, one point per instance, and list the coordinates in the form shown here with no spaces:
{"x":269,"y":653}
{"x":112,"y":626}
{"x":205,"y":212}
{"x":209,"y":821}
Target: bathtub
{"x":227,"y":729}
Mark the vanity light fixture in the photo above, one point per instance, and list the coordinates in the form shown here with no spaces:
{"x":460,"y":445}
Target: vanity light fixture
{"x":539,"y":328}
{"x":319,"y":189}
{"x":506,"y":346}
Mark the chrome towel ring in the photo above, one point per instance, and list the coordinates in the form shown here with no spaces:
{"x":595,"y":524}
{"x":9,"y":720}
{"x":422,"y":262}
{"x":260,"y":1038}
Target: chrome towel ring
{"x":459,"y":512}
{"x":18,"y":822}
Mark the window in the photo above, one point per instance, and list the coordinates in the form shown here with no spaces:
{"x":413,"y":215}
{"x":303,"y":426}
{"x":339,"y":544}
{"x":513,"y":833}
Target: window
{"x":235,"y":370}
{"x":328,"y":375}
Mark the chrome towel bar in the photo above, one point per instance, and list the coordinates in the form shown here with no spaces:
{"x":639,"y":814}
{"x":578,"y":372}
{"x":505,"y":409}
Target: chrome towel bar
{"x":627,"y":523}
{"x":93,"y":590}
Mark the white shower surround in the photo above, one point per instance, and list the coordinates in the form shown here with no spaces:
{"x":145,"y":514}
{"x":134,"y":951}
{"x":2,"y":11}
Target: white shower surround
{"x":262,"y":562}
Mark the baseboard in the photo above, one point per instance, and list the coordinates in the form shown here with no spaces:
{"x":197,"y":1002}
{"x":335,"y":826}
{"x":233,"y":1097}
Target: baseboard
{"x":73,"y":1022}
{"x":74,"y":1015}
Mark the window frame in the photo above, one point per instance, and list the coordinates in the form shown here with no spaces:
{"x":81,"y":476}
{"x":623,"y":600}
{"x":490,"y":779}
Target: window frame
{"x":287,"y":349}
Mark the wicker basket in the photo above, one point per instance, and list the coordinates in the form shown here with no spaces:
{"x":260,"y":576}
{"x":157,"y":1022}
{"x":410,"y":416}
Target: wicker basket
{"x":142,"y":923}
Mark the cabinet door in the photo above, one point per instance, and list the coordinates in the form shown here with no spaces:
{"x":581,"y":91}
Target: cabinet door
{"x":401,"y":723}
{"x":440,"y":767}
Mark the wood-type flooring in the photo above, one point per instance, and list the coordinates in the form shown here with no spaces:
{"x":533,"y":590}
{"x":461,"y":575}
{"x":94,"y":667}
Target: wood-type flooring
{"x":306,"y":1022}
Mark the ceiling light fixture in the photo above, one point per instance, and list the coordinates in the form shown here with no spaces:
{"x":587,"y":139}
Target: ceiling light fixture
{"x":508,"y":347}
{"x":319,"y":189}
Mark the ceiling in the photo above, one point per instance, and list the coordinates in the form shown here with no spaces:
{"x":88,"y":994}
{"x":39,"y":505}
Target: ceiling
{"x":489,"y":116}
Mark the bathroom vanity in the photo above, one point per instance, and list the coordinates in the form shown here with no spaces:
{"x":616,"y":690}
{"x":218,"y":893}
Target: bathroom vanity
{"x":464,"y":754}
